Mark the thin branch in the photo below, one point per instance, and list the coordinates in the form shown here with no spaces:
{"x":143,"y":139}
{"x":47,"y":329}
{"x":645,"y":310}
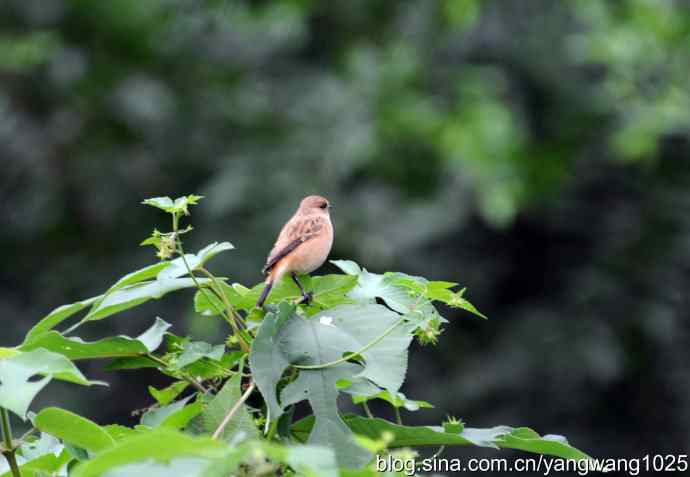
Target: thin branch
{"x":398,"y":419}
{"x":10,"y":450}
{"x":367,"y":410}
{"x":233,"y":410}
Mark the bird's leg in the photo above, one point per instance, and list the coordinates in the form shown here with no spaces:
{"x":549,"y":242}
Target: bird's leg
{"x":306,"y":296}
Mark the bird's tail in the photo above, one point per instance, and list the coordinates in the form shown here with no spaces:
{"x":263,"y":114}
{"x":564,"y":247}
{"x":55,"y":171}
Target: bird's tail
{"x":264,"y":294}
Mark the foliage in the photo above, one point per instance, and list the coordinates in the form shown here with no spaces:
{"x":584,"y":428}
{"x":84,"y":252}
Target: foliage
{"x":352,"y":338}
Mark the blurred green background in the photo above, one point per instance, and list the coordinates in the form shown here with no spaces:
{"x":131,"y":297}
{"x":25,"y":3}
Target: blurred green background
{"x":537,"y":152}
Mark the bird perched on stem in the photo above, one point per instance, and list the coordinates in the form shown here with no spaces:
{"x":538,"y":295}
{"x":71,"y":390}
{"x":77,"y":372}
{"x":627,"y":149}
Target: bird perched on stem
{"x":302,"y":246}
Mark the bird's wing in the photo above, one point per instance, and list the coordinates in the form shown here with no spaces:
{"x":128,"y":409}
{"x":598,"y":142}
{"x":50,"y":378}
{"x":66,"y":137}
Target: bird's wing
{"x":294,"y":234}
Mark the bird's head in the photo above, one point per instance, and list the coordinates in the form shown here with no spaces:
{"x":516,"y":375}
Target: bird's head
{"x":315,"y":204}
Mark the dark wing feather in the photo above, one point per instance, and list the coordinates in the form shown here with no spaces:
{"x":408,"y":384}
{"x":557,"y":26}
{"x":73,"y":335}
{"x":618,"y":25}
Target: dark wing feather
{"x":295,"y":234}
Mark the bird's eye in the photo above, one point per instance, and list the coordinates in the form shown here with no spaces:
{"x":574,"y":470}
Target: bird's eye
{"x":324,"y":205}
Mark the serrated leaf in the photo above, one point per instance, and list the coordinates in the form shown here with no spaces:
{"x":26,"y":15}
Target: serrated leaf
{"x":74,"y":429}
{"x":160,"y":445}
{"x":216,"y":410}
{"x":17,"y":391}
{"x":75,"y":348}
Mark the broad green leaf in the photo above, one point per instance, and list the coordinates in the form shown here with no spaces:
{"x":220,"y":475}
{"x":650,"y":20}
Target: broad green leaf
{"x":216,"y":410}
{"x":74,"y":429}
{"x":166,"y":396}
{"x":58,"y":315}
{"x":133,"y":362}
{"x":144,"y":274}
{"x":133,"y":295}
{"x":319,"y":387}
{"x":288,"y":338}
{"x":178,"y":268}
{"x":175,"y":416}
{"x":266,"y":360}
{"x":75,"y":348}
{"x":521,"y":438}
{"x":17,"y":391}
{"x":327,"y":291}
{"x":395,"y":399}
{"x":196,"y":350}
{"x":160,"y":445}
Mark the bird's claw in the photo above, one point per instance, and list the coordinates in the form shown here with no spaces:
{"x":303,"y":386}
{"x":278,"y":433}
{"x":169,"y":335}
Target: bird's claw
{"x":307,"y":297}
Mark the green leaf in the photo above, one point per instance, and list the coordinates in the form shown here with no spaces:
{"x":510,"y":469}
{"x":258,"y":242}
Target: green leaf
{"x":133,"y":362}
{"x":144,"y":274}
{"x":179,"y":205}
{"x":347,"y":266}
{"x":395,"y":399}
{"x":288,"y":338}
{"x":166,"y":396}
{"x":327,"y":291}
{"x":57,"y":316}
{"x":74,"y":429}
{"x":45,"y":456}
{"x":17,"y":391}
{"x":160,"y":445}
{"x":175,"y":416}
{"x":266,"y":360}
{"x":506,"y":437}
{"x":178,"y":268}
{"x":75,"y":348}
{"x":196,"y":350}
{"x":372,"y":285}
{"x":133,"y":295}
{"x":241,"y":423}
{"x":208,"y":304}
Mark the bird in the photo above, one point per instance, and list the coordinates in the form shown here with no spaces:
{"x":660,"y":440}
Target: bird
{"x":302,"y":246}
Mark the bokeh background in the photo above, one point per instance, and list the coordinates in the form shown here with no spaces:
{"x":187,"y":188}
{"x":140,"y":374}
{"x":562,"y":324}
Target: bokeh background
{"x":537,"y":152}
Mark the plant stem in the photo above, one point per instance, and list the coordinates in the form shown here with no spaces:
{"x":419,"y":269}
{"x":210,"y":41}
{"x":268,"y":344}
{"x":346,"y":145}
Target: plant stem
{"x":221,"y":295}
{"x":398,"y":419}
{"x":367,"y":410}
{"x":272,"y":430}
{"x":9,"y":451}
{"x":200,"y":387}
{"x":233,"y":410}
{"x":366,"y":347}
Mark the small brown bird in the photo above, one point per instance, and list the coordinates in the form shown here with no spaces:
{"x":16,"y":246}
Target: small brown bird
{"x":302,"y":246}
